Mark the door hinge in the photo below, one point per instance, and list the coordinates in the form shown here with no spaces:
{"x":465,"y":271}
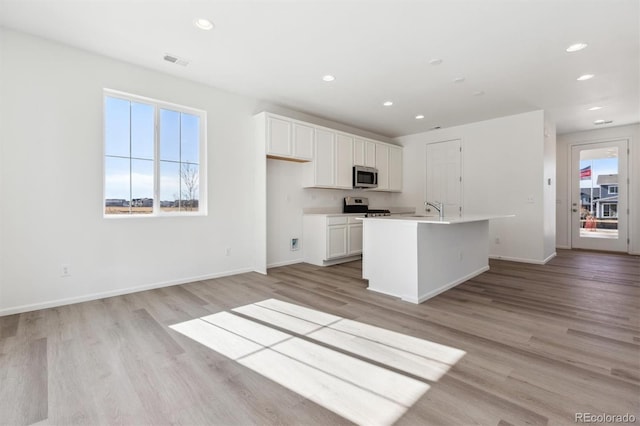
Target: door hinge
{"x":460,"y":149}
{"x":628,"y":241}
{"x":460,"y":178}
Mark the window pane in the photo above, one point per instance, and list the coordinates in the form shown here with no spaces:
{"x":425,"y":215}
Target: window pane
{"x":142,"y":186}
{"x":189,"y":185}
{"x":117,"y":183}
{"x":116,"y":127}
{"x":190,"y":141}
{"x":169,"y":186}
{"x":141,"y":131}
{"x":598,"y":174}
{"x":169,"y":135}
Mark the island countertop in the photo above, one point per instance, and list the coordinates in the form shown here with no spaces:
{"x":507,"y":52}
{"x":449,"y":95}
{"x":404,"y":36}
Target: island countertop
{"x":450,"y":220}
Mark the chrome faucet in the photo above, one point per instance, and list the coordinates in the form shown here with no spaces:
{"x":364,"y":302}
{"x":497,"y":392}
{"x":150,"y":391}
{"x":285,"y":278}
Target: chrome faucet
{"x":436,"y":205}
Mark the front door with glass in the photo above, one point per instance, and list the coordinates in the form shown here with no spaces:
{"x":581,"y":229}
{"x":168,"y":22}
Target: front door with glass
{"x":599,"y":196}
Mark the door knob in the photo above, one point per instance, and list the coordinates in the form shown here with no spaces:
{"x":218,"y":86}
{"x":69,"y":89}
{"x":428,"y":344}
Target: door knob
{"x":574,"y":210}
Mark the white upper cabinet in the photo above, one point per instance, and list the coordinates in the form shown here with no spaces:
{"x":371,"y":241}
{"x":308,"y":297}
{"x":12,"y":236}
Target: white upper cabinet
{"x":303,"y":141}
{"x":330,"y":154}
{"x":286,"y":139}
{"x":344,"y":161}
{"x":279,"y":137}
{"x":395,"y":168}
{"x":389,"y":165}
{"x":323,"y":166}
{"x":364,"y":152}
{"x":382,"y":164}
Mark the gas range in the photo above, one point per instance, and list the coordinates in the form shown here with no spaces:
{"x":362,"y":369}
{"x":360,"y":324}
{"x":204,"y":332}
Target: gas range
{"x":375,"y":213}
{"x":361,"y":205}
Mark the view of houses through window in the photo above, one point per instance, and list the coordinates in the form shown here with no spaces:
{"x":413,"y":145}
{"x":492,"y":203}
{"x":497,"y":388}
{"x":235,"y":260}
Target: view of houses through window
{"x":148,"y":171}
{"x":599,"y":193}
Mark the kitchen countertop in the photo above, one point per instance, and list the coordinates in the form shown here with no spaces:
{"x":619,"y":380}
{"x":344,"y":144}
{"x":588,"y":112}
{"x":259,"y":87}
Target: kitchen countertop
{"x":436,"y":220}
{"x":335,"y":214}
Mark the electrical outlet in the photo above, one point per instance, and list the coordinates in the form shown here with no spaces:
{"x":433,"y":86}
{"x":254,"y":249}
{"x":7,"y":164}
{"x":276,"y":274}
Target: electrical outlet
{"x":295,"y":244}
{"x":227,"y":251}
{"x":497,"y":240}
{"x":65,"y":271}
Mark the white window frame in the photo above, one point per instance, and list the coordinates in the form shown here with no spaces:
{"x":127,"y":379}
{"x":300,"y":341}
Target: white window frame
{"x":607,"y":207}
{"x":202,"y":153}
{"x":610,"y":189}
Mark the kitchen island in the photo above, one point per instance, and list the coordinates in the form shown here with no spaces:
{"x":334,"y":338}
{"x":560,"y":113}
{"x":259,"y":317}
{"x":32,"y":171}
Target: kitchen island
{"x":418,"y":257}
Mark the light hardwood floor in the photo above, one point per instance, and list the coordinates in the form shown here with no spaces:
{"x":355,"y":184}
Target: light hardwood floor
{"x":542,"y":343}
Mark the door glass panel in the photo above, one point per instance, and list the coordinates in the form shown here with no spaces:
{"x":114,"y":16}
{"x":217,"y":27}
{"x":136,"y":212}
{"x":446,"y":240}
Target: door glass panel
{"x":599,"y":193}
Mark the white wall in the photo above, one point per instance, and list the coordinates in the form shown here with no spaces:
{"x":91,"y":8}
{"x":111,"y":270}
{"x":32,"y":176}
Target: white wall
{"x":503,"y":164}
{"x":549,"y":191}
{"x":563,"y":216}
{"x":51,"y":182}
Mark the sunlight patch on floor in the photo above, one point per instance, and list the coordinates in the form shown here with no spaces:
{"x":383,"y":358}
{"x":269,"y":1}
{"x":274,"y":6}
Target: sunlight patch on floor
{"x":354,"y":388}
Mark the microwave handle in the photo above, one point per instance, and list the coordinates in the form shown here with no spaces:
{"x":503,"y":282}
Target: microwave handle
{"x":375,"y":175}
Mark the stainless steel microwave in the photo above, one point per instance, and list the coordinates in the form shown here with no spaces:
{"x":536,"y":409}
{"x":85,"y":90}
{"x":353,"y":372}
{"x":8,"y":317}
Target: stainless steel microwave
{"x":365,"y":177}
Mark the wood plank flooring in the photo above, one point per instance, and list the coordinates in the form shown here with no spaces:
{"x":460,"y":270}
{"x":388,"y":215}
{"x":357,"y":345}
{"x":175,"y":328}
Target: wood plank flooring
{"x":542,"y":343}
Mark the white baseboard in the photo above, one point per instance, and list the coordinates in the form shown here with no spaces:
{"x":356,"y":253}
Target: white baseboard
{"x":450,"y":285}
{"x":118,"y":292}
{"x":564,"y":247}
{"x":521,"y":260}
{"x":420,"y":299}
{"x":285,"y":263}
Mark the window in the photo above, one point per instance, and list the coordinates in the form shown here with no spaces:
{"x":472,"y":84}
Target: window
{"x":613,"y":190}
{"x":609,"y":210}
{"x":152,"y":157}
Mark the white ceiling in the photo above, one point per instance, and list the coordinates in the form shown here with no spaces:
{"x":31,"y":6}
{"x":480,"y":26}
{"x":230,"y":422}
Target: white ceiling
{"x":512,"y":50}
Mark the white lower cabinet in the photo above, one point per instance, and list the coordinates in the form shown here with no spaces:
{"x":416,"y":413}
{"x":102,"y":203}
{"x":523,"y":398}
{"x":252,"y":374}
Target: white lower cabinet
{"x":331,"y":239}
{"x":337,"y":241}
{"x":355,"y":238}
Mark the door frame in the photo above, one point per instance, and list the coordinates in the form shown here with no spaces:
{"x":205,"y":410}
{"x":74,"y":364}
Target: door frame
{"x":426,"y":175}
{"x":570,"y":188}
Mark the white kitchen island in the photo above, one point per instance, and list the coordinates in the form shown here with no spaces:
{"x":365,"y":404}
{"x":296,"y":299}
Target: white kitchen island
{"x":417,"y":257}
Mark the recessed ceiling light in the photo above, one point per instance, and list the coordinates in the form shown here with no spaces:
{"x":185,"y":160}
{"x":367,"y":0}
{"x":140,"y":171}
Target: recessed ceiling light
{"x":328,"y":77}
{"x":388,"y":103}
{"x":576,"y":47}
{"x":478,"y":93}
{"x":598,"y":122}
{"x":436,"y":61}
{"x":419,"y":117}
{"x":595,"y":108}
{"x":458,"y":79}
{"x":203,"y":24}
{"x":585,"y":77}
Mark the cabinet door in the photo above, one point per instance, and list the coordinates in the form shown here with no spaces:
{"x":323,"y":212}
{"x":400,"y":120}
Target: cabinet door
{"x":358,"y":152}
{"x":324,"y":167}
{"x":382,"y":164}
{"x":303,"y":141}
{"x":336,"y":241}
{"x":370,"y":154}
{"x":355,"y":239}
{"x":278,"y":137}
{"x":395,"y":169}
{"x":344,"y":161}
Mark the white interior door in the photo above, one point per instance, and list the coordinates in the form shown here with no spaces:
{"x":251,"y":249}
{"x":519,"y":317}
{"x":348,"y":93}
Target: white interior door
{"x":599,"y":205}
{"x":444,"y":175}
